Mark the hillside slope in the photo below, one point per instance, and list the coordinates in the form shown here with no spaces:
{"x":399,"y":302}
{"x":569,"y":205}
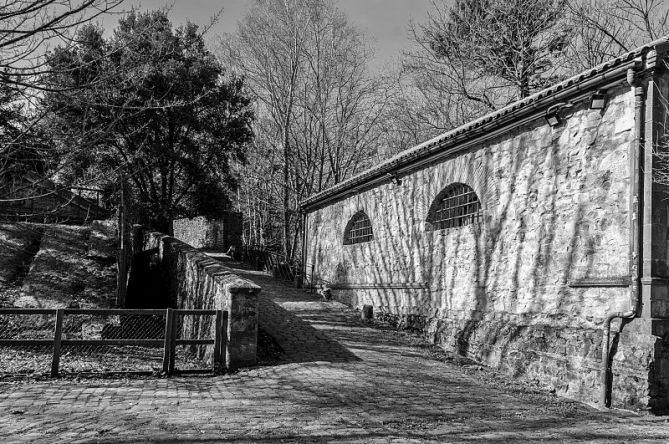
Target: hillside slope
{"x":55,"y":266}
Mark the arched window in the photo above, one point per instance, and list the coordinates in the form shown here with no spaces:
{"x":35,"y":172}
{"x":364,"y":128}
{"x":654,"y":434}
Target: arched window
{"x":457,"y":205}
{"x":358,"y":229}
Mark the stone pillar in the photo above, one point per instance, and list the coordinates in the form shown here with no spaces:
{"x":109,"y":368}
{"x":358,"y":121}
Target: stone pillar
{"x":242,"y":326}
{"x":650,"y":332}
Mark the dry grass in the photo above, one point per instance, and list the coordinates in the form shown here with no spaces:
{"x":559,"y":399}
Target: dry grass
{"x":17,"y":242}
{"x":56,"y":266}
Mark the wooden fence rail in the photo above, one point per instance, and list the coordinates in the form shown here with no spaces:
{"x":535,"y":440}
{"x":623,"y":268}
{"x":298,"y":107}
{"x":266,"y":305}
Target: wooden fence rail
{"x":169,"y":342}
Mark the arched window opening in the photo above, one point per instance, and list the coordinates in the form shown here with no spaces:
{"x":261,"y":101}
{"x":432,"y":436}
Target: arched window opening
{"x":456,"y":206}
{"x":358,"y":229}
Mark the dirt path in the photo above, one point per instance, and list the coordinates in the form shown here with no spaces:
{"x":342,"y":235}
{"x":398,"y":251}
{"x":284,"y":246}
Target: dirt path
{"x":339,"y":380}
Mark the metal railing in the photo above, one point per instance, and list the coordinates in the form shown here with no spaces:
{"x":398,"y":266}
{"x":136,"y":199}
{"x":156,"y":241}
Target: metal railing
{"x":275,"y":264}
{"x":112,"y":340}
{"x":92,"y":194}
{"x":279,"y":267}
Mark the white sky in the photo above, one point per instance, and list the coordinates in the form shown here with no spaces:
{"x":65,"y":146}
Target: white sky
{"x":384,"y":21}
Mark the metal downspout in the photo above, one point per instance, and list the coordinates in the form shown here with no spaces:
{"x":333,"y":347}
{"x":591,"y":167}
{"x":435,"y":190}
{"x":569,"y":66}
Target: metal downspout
{"x":634,"y":231}
{"x":303,"y":266}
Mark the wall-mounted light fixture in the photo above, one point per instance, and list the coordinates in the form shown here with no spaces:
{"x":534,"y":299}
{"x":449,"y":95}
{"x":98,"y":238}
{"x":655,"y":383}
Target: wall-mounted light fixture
{"x":552,"y":115}
{"x":598,"y":100}
{"x":394,"y":179}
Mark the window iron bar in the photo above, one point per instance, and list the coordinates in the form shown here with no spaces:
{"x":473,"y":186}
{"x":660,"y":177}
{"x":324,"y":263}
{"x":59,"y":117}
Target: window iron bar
{"x":360,"y":230}
{"x":458,"y":206}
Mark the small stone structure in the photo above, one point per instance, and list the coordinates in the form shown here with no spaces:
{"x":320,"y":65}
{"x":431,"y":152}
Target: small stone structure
{"x":517,"y":242}
{"x":210,"y":234}
{"x":186,"y":278}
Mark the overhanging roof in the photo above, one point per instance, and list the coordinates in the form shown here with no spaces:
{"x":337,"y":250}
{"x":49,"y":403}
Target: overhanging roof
{"x":448,"y":142}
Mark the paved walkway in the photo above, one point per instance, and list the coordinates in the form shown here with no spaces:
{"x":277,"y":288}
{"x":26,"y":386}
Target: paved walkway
{"x":339,"y":380}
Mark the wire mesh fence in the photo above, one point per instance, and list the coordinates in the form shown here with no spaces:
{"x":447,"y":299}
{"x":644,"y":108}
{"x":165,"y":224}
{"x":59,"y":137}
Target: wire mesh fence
{"x":195,"y":341}
{"x":109,"y":341}
{"x":26,"y":341}
{"x":97,"y":342}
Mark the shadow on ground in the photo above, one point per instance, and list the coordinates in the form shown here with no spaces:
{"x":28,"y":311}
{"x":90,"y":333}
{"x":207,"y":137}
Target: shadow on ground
{"x":300,"y":341}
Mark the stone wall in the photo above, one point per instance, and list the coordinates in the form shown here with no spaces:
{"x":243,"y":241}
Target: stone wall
{"x":528,"y":288}
{"x":211,"y":234}
{"x":192,"y":280}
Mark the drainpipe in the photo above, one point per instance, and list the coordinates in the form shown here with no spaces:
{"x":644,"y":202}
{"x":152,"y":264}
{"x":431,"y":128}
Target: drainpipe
{"x":634,"y":231}
{"x":303,"y":267}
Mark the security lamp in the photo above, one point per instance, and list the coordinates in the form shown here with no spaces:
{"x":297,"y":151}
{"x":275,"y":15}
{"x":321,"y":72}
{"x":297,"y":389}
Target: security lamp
{"x":394,"y":179}
{"x":552,"y":117}
{"x":598,"y":100}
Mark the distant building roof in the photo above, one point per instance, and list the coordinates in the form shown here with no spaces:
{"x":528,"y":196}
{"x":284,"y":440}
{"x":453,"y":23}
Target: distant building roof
{"x":34,"y":197}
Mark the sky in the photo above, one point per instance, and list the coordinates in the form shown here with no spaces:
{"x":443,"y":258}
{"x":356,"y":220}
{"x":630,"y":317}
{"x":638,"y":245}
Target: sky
{"x":385,"y":22}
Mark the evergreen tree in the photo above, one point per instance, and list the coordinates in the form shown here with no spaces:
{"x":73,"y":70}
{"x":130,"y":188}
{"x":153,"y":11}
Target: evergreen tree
{"x":497,"y":51}
{"x":157,"y":109}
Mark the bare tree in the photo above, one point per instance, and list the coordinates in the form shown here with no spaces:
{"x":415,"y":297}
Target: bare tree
{"x":610,"y":28}
{"x":493,"y":52}
{"x":420,"y":106}
{"x":269,"y":52}
{"x":470,"y":58}
{"x":317,"y":106}
{"x":29,"y":29}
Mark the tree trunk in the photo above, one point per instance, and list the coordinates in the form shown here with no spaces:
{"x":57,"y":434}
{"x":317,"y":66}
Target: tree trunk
{"x":286,"y":193}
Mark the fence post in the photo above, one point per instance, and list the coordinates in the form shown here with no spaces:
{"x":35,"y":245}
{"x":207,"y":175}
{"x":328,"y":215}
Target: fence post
{"x":173,"y":342}
{"x":168,"y":340}
{"x":57,"y":334}
{"x":224,"y":338}
{"x":217,"y":341}
{"x":311,"y":281}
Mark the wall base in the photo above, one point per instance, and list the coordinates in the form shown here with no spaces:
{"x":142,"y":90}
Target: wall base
{"x":565,"y":357}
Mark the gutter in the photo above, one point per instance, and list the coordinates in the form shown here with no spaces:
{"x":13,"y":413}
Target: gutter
{"x":492,"y":125}
{"x":635,"y":234}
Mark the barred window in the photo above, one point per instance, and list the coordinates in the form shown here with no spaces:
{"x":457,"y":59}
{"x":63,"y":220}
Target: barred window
{"x":456,"y":206}
{"x":358,"y":229}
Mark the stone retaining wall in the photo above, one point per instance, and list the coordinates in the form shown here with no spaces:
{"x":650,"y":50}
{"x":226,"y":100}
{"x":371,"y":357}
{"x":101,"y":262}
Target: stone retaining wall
{"x":192,"y":280}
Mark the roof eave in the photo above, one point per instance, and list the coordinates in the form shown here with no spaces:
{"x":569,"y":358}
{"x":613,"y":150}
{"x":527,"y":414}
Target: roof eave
{"x":530,"y":107}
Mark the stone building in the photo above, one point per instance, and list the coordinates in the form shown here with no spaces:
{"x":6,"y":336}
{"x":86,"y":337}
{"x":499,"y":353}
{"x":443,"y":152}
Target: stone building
{"x":522,"y":238}
{"x":210,"y":234}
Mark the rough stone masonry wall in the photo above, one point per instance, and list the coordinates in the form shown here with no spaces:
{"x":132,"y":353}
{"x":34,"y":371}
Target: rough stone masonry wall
{"x":196,"y":281}
{"x":514,"y":291}
{"x":213,"y":234}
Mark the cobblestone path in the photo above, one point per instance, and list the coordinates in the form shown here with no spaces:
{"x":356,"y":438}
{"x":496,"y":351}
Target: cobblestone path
{"x":339,"y":380}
